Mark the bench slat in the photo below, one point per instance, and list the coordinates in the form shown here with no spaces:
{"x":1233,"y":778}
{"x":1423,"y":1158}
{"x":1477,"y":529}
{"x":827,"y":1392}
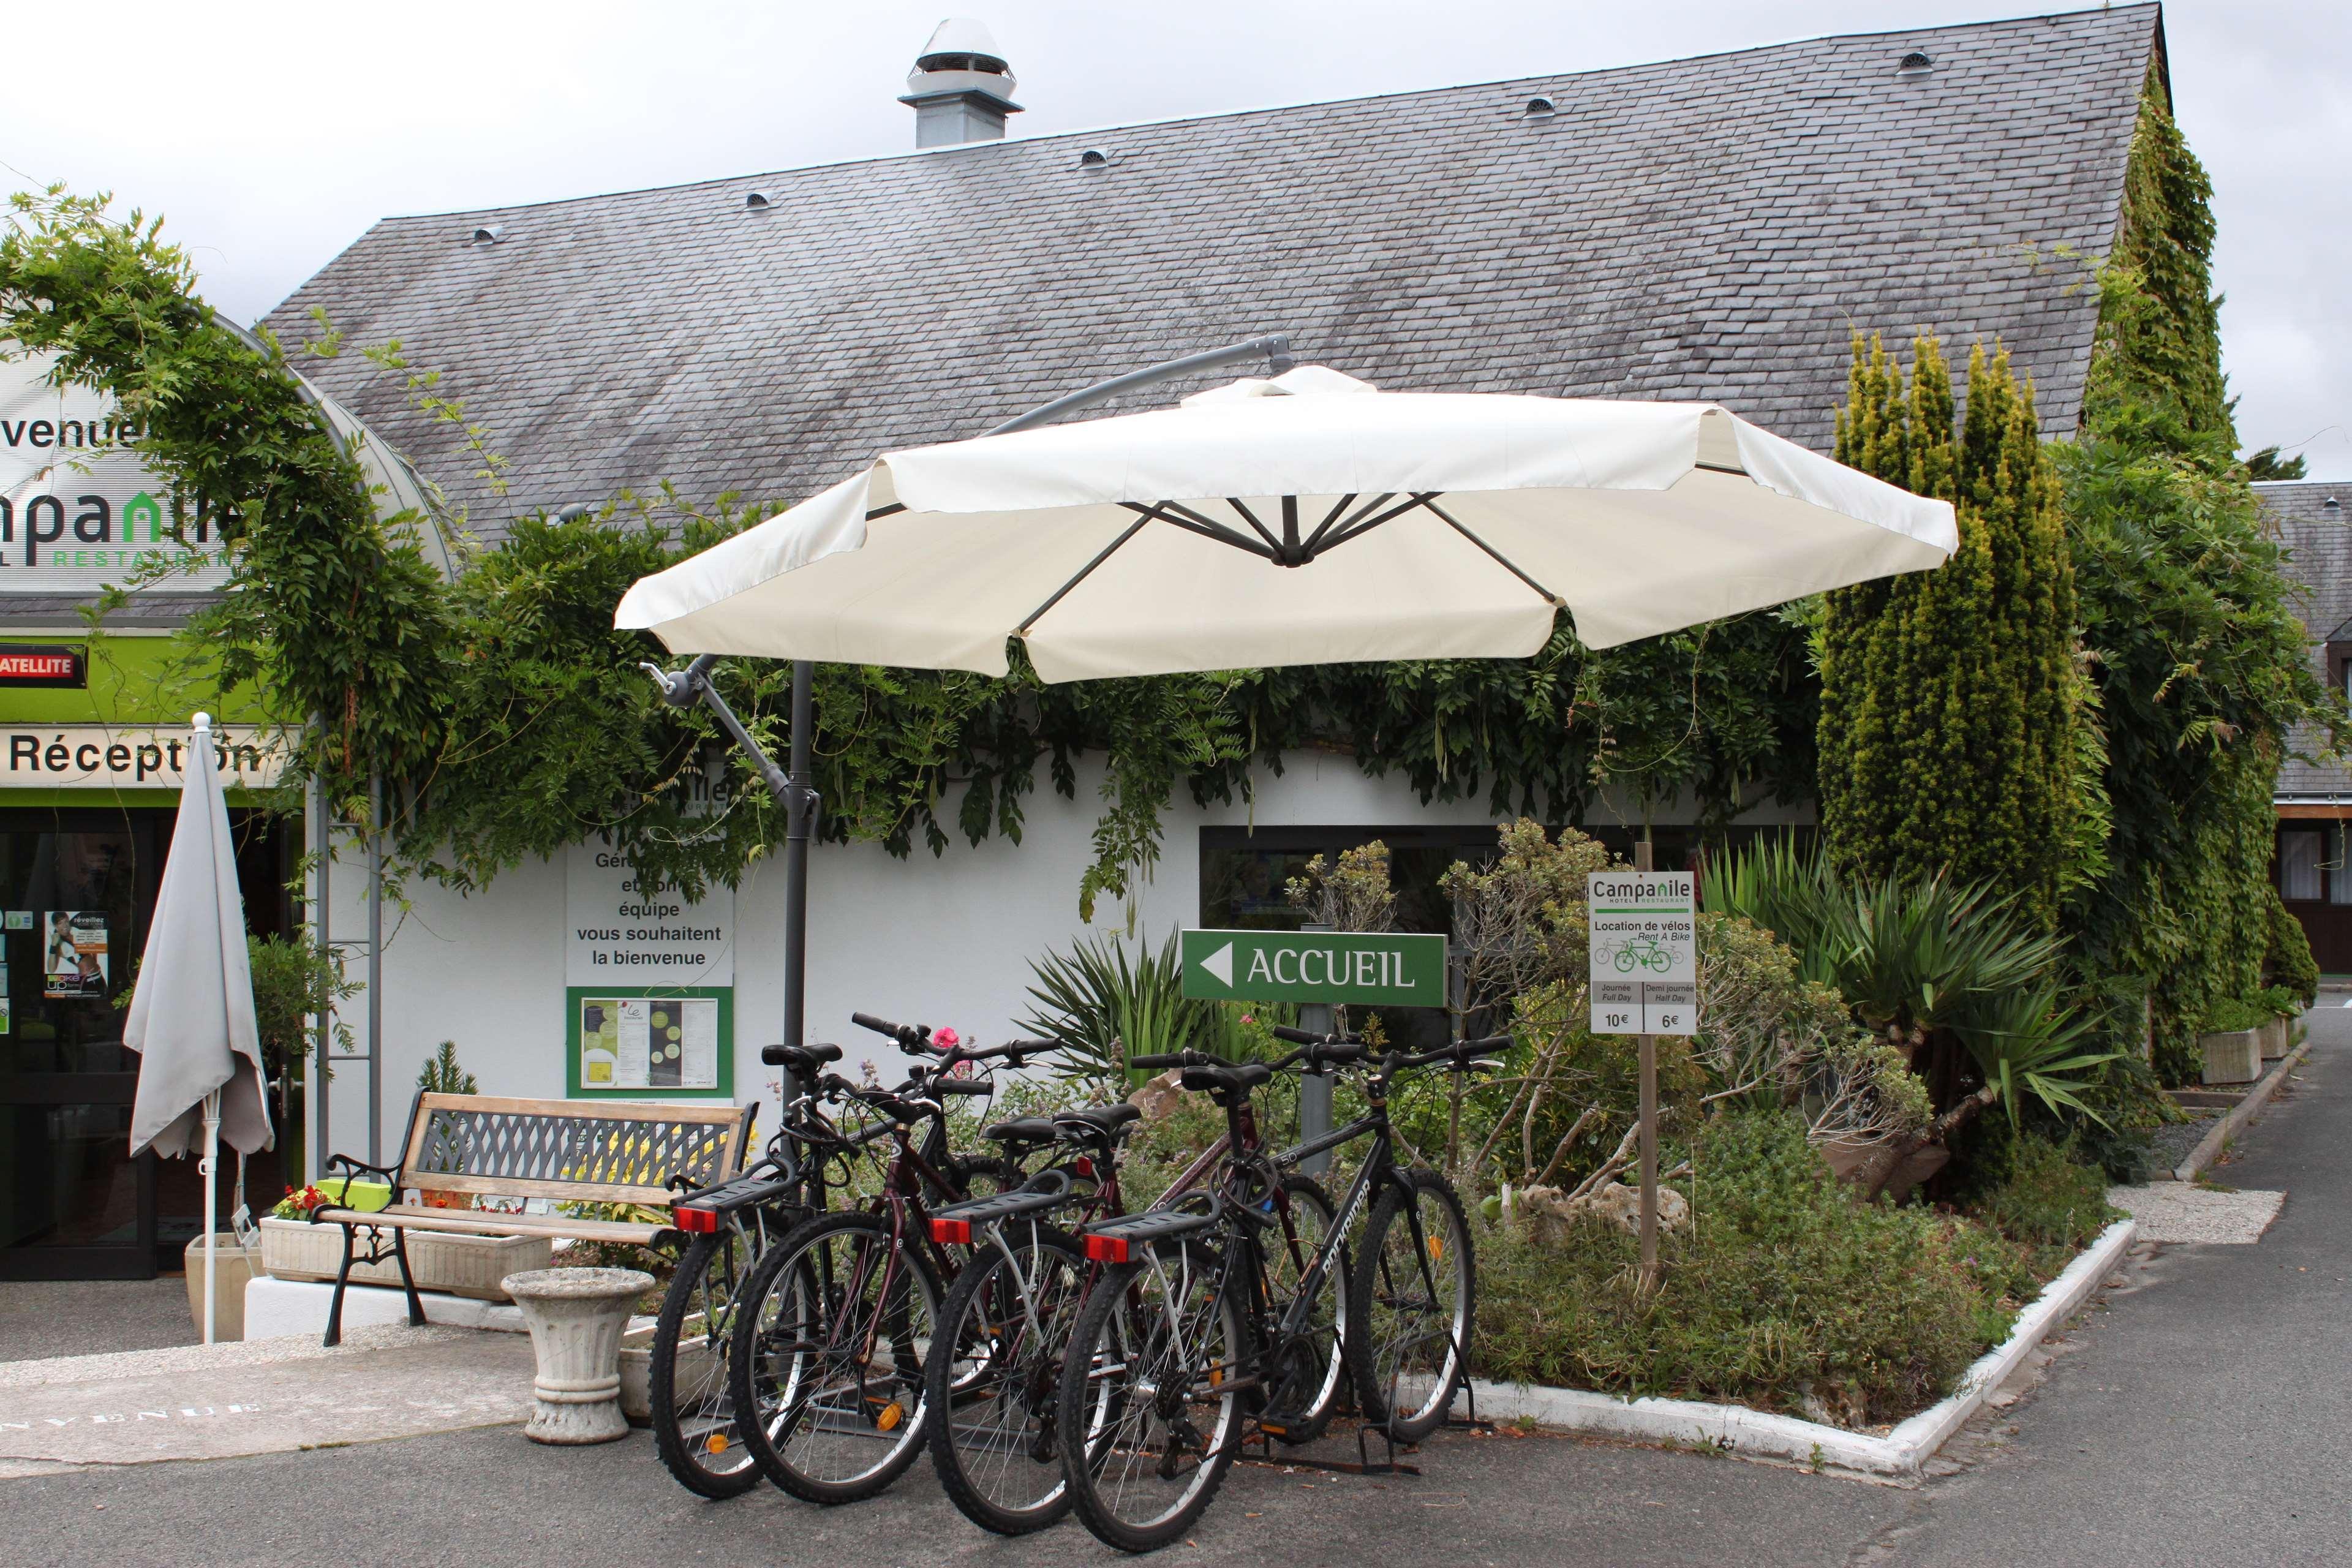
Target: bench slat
{"x":520,"y":1187}
{"x":404,"y":1216}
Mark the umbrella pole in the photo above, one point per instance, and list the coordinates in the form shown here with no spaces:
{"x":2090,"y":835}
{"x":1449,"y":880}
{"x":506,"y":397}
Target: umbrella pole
{"x":211,"y":1168}
{"x":800,"y":814}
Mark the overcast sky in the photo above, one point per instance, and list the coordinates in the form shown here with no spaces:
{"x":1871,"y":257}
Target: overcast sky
{"x":272,"y":134}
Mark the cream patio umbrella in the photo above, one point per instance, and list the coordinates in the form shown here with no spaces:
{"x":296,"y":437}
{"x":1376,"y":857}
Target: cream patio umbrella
{"x":192,"y":1018}
{"x":1307,"y":519}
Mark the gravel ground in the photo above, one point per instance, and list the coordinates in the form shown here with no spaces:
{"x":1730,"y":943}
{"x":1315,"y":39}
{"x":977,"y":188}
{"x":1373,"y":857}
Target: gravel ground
{"x":2174,"y":1144}
{"x":41,"y":1319}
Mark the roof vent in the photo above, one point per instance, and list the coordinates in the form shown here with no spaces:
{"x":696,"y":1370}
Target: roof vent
{"x":755,"y":200}
{"x":489,"y":234}
{"x":2333,"y":506}
{"x":960,"y":88}
{"x":1915,"y":64}
{"x":1094,"y":158}
{"x":1540,"y":108}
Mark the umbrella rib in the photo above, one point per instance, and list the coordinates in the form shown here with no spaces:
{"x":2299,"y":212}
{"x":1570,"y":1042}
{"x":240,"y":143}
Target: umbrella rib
{"x":1342,"y":504}
{"x":1108,"y":551}
{"x":1354,"y":530}
{"x":1192,"y":522}
{"x":1499,"y":559}
{"x":893,"y":509}
{"x":1251,"y":518}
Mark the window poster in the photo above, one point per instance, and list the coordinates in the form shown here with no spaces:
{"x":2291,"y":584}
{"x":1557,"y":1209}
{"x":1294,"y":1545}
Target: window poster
{"x":73,"y":949}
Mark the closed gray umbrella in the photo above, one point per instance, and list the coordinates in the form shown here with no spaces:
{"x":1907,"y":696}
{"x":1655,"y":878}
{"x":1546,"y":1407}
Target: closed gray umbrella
{"x":192,"y":1018}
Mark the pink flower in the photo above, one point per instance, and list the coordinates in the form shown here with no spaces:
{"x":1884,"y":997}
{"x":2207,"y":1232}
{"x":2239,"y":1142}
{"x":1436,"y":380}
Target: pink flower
{"x":947,"y":1038}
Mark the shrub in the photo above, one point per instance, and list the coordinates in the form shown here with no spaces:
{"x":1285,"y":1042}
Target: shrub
{"x":1786,"y":1288}
{"x":2288,"y":963}
{"x":2047,"y":1200}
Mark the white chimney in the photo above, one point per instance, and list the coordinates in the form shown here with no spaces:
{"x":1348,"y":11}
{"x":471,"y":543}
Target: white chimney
{"x":960,"y":88}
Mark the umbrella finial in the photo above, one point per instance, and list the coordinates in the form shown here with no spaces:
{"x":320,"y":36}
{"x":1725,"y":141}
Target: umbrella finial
{"x":203,"y":722}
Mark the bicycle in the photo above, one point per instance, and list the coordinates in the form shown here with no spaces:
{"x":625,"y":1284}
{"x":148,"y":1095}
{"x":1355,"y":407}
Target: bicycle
{"x":825,"y":1363}
{"x":729,"y":1226}
{"x":1180,"y":1345}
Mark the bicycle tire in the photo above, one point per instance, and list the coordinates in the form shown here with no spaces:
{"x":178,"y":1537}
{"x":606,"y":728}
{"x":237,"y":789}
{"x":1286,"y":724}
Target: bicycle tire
{"x":1282,"y":1277}
{"x":693,"y":1413}
{"x":1407,"y":1336}
{"x":1122,"y":1331}
{"x":988,"y":1460}
{"x":803,"y":1279}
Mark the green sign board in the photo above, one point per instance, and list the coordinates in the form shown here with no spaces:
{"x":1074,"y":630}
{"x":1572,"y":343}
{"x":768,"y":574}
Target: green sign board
{"x":1342,"y":968}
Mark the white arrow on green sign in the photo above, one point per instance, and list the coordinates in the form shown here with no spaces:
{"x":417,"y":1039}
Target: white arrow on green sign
{"x":1388,"y":968}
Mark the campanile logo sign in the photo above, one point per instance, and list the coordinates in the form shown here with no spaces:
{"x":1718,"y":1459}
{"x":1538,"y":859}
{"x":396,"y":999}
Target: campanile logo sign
{"x":78,"y":510}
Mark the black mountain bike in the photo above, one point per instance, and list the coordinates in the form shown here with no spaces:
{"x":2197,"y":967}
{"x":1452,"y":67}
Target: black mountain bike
{"x":729,"y":1226}
{"x":1181,"y":1345}
{"x":825,"y":1362}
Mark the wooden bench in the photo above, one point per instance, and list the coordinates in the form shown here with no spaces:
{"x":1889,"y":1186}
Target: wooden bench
{"x":569,"y":1150}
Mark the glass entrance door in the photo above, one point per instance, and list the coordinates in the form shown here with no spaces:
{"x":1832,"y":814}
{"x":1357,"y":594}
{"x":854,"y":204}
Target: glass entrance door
{"x":74,"y":887}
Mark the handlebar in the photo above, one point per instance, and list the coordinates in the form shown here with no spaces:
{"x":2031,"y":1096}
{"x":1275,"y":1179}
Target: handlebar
{"x":909,"y":1036}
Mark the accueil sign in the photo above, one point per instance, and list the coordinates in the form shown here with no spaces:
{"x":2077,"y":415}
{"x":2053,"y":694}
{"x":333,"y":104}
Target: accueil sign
{"x":79,"y":508}
{"x":111,"y":756}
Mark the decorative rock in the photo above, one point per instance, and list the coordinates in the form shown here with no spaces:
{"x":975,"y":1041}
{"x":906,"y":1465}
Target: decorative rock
{"x":1550,"y":1211}
{"x":1159,"y":1095}
{"x":576,"y":1317}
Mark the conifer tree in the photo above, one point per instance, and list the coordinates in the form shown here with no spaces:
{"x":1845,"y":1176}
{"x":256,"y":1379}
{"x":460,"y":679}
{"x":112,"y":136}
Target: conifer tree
{"x":1947,"y":712}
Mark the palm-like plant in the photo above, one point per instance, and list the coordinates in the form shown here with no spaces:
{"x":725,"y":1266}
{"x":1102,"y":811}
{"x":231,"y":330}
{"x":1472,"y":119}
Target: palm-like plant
{"x":1105,"y":1002}
{"x":1946,"y":970}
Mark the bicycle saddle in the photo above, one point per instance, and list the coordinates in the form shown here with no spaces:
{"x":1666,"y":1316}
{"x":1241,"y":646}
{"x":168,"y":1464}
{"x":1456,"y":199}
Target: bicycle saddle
{"x":1020,"y":1129}
{"x":1227,"y":1082}
{"x":800,"y":1058}
{"x":1106,"y":1120}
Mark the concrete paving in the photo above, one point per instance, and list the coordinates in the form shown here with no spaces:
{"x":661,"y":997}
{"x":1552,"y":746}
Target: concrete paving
{"x":2198,"y":1417}
{"x":2177,"y":1211}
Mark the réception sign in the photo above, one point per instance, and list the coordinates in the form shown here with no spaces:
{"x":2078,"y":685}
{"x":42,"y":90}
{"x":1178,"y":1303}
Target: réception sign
{"x":617,"y":934}
{"x":1384,"y":970}
{"x":110,"y":756}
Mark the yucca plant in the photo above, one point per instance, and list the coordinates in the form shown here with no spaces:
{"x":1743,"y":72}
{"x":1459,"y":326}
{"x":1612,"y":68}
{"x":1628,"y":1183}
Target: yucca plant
{"x":1947,"y":971}
{"x":1106,"y":1000}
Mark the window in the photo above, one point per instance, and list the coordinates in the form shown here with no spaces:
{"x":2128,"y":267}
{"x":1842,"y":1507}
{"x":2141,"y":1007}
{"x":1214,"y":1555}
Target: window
{"x":2299,"y":865}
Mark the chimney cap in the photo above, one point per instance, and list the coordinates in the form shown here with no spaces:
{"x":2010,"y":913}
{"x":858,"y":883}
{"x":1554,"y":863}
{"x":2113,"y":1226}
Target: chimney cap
{"x":961,"y":43}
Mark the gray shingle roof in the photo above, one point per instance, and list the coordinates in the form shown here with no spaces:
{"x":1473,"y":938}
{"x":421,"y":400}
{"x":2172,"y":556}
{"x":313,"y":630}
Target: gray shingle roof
{"x":2319,"y":546}
{"x":1709,"y":227}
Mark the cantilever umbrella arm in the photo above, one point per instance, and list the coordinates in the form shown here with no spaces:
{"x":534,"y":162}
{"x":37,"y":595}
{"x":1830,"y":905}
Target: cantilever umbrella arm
{"x":792,"y":787}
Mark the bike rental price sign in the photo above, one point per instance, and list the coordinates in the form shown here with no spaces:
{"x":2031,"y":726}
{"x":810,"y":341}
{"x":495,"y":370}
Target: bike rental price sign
{"x":1644,"y":973}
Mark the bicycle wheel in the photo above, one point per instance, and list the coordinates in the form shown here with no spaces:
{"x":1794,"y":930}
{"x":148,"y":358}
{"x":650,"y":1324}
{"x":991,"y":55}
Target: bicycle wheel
{"x":994,"y":1370}
{"x":1414,"y":1293}
{"x":1305,"y":1376}
{"x":1148,"y":1414}
{"x":693,"y":1416}
{"x":825,"y":1368}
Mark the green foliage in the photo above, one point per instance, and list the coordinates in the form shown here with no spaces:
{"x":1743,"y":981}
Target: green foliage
{"x":1948,"y":700}
{"x":2267,"y":464}
{"x":441,"y":1075}
{"x":2287,"y":961}
{"x":1787,"y":1287}
{"x":1947,"y":971}
{"x":2046,"y":1199}
{"x":294,"y":982}
{"x":1108,"y":999}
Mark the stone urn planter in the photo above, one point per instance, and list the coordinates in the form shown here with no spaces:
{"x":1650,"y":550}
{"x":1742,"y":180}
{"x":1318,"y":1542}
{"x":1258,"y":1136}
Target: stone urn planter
{"x":577,"y":1316}
{"x":455,"y":1265}
{"x":2235,"y":1056}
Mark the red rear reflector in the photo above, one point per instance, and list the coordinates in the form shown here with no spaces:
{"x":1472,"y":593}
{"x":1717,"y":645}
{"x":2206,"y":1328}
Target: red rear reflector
{"x":948,"y":1232}
{"x":1107,"y":1249}
{"x":699,"y":1222}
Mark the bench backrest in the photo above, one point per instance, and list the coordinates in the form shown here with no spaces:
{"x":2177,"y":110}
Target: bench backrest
{"x":578,"y":1150}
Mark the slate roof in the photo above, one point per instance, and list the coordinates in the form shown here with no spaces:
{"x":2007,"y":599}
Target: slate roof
{"x":1710,"y":227}
{"x":2319,"y":546}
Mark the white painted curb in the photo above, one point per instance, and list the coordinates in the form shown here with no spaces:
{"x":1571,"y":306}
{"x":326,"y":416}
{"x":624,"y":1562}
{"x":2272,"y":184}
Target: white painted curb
{"x":1753,"y":1434}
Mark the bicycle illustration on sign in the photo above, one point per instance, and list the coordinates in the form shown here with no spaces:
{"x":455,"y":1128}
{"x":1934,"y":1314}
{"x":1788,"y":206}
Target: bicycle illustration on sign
{"x":1641,"y":952}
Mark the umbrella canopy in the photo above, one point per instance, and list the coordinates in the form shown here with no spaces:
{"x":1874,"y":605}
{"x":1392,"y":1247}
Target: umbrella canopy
{"x":1309,"y":519}
{"x":192,"y":1018}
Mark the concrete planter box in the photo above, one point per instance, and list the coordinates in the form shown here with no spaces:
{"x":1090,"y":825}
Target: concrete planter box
{"x":2234,"y":1057}
{"x":697,"y":1364}
{"x":236,"y":1267}
{"x":459,"y":1265}
{"x":2275,"y":1035}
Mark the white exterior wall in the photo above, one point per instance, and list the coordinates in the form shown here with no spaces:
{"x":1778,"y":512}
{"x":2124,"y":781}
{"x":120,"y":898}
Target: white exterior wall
{"x":923,"y":940}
